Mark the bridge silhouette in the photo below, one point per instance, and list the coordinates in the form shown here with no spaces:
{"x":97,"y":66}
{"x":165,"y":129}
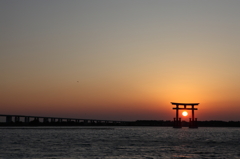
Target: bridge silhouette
{"x":27,"y":120}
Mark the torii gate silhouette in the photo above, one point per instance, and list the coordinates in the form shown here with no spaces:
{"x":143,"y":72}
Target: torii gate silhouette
{"x":177,"y":121}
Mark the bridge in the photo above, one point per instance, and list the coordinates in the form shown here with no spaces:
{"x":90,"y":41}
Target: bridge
{"x":15,"y":119}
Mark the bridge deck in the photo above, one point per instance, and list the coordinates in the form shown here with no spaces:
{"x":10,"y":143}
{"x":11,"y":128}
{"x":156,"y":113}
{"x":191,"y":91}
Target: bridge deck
{"x":61,"y":118}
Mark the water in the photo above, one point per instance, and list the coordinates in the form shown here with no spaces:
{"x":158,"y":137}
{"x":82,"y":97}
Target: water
{"x":119,"y":142}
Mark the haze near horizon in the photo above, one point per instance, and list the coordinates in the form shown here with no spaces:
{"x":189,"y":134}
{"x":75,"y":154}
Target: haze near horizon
{"x":121,"y":60}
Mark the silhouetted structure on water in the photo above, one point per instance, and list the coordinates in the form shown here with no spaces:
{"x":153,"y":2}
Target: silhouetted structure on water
{"x":192,"y":121}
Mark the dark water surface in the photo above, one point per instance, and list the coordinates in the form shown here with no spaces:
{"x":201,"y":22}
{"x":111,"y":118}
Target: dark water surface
{"x":118,"y":142}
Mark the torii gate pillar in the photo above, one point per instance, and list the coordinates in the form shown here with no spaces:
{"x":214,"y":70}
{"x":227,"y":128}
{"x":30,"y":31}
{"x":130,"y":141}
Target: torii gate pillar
{"x":192,"y":121}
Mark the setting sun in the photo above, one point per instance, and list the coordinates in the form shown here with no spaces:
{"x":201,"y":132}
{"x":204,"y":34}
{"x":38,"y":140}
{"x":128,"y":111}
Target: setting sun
{"x":184,"y":113}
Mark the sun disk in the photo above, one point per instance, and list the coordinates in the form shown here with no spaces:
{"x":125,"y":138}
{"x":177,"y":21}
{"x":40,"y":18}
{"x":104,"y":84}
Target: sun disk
{"x":184,"y":113}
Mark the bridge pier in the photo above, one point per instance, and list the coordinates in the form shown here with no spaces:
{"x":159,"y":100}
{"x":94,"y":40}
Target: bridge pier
{"x":17,"y":119}
{"x":85,"y":122}
{"x":45,"y":120}
{"x":53,"y":120}
{"x":27,"y":119}
{"x":8,"y":119}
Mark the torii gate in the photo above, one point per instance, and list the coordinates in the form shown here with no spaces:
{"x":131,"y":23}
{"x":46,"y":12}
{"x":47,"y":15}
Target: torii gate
{"x":192,"y":121}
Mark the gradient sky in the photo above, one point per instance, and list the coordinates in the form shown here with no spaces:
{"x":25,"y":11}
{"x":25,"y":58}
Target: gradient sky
{"x":121,"y":60}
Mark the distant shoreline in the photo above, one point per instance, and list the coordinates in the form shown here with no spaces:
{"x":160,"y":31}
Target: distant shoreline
{"x":156,"y":123}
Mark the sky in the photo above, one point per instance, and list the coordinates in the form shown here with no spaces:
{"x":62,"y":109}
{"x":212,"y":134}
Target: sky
{"x":120,"y":60}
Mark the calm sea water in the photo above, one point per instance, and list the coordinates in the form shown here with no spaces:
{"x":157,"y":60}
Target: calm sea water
{"x":119,"y":142}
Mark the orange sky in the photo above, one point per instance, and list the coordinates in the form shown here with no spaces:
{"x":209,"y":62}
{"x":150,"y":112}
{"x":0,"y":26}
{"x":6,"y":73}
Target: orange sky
{"x":123,"y":60}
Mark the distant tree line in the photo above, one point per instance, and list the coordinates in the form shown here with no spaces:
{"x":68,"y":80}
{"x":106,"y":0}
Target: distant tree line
{"x":211,"y":123}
